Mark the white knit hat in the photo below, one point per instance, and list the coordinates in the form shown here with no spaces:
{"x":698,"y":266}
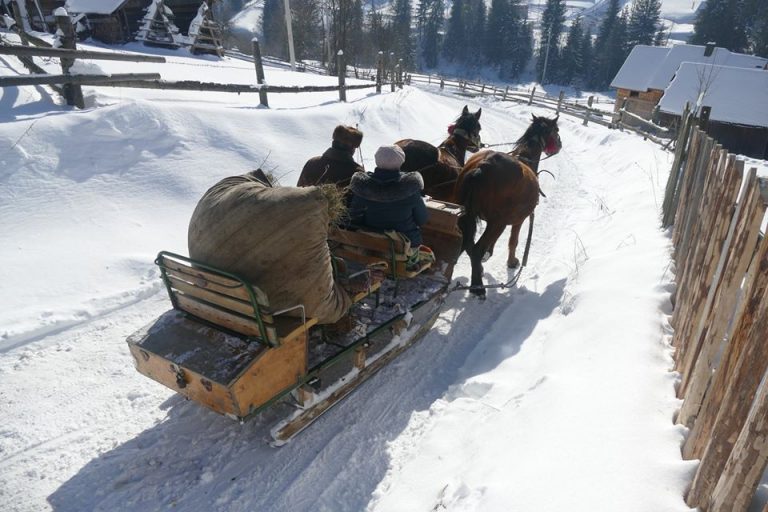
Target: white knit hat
{"x":389,"y":157}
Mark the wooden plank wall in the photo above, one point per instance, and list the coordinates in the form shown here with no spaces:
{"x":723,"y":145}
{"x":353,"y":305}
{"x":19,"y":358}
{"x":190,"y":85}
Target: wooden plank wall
{"x":720,"y":320}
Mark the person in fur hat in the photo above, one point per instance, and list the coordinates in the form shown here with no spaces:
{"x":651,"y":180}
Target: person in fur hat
{"x":336,"y":165}
{"x":388,"y":199}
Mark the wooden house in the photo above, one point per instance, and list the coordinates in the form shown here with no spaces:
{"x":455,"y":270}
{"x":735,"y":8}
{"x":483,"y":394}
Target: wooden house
{"x":118,"y":21}
{"x":648,"y":70}
{"x":737,"y":97}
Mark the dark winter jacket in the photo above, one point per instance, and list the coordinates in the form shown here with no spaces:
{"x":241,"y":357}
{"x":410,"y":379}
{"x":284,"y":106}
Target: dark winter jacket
{"x":335,"y":166}
{"x":389,"y":200}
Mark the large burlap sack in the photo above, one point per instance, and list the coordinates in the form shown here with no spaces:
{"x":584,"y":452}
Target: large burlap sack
{"x":276,"y":238}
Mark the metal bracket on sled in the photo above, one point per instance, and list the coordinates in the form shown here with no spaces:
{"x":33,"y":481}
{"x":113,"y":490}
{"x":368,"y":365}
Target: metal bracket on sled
{"x":509,"y":284}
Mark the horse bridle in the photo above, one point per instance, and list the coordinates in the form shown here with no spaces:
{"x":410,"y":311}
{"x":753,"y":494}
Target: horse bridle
{"x":474,"y":139}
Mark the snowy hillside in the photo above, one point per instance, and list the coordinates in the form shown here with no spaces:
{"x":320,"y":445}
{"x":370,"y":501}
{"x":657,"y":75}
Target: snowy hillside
{"x":554,"y":395}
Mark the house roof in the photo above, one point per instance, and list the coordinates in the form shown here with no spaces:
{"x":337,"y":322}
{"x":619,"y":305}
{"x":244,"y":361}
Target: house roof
{"x":94,"y":6}
{"x":639,"y":67}
{"x":649,"y":67}
{"x":737,"y":95}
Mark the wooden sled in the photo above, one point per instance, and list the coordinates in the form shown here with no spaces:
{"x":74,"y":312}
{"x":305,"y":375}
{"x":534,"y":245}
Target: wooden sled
{"x":224,"y":347}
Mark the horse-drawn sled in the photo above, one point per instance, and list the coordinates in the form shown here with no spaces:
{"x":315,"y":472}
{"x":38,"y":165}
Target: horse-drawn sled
{"x":228,"y":346}
{"x":261,"y":314}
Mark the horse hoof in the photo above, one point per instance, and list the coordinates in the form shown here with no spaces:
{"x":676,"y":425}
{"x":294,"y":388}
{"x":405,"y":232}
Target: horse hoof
{"x":479,"y":293}
{"x":513,"y":263}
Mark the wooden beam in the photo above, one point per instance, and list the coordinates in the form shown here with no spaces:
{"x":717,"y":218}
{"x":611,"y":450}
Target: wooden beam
{"x":76,"y":54}
{"x":191,"y":85}
{"x":16,"y":81}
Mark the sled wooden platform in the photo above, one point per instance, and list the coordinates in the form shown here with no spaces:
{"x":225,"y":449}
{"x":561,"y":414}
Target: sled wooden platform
{"x":224,"y":347}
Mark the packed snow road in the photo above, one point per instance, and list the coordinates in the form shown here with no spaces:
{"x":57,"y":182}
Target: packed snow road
{"x":553,"y":394}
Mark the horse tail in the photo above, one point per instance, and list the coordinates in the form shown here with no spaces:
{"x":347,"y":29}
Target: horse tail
{"x":465,"y":196}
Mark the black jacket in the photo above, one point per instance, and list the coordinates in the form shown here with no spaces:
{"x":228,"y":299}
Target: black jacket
{"x":389,"y":200}
{"x":335,"y":166}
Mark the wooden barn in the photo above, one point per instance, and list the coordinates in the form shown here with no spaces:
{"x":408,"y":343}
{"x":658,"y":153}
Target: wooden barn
{"x":117,"y":21}
{"x":737,"y":99}
{"x":648,"y":70}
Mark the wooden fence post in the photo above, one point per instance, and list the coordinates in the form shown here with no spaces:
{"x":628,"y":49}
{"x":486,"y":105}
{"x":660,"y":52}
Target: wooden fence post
{"x":259,"y":72}
{"x":506,"y":91}
{"x":20,"y":26}
{"x":392,"y":80}
{"x":588,"y":110}
{"x":341,"y":68}
{"x":560,"y":100}
{"x":745,"y":466}
{"x":73,"y":93}
{"x":442,"y":83}
{"x":379,"y":70}
{"x":530,"y":98}
{"x":672,"y":191}
{"x":736,"y":404}
{"x":618,"y":114}
{"x":400,"y":73}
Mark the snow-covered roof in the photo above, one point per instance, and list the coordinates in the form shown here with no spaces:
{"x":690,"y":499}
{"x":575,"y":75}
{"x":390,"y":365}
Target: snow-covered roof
{"x":736,"y":95}
{"x":94,"y":6}
{"x":652,"y":67}
{"x":639,"y":67}
{"x":694,"y":53}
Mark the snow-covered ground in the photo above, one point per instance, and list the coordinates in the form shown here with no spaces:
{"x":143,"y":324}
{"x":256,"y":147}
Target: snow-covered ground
{"x":554,"y":395}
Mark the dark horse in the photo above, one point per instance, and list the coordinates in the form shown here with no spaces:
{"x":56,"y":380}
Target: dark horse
{"x":503,"y":190}
{"x":440,"y":166}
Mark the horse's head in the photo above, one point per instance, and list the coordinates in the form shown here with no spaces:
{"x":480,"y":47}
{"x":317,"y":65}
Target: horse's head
{"x":467,"y":126}
{"x":544,"y":132}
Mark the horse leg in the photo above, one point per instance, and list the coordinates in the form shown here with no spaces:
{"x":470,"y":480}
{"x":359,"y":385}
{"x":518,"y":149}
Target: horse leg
{"x":487,"y":240}
{"x":468,"y":226}
{"x":514,"y":238}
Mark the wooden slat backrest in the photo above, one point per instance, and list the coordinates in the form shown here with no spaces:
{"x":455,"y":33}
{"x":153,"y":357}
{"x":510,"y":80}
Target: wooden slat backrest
{"x":218,"y":299}
{"x":367,"y":248}
{"x":369,"y":240}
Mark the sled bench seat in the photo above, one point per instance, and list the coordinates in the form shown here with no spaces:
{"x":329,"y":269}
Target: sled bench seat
{"x":370,"y":247}
{"x":227,"y":301}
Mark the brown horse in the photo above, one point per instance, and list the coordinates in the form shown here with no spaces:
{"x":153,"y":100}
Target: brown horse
{"x":503,"y":190}
{"x":440,"y":166}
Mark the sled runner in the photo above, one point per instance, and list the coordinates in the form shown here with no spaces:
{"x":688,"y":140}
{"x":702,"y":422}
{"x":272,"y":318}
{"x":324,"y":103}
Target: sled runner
{"x":223,"y":345}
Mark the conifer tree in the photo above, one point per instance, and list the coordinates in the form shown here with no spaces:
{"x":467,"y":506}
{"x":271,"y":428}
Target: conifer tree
{"x":643,"y":22}
{"x":523,"y":51}
{"x":587,"y":57}
{"x":355,"y":50}
{"x":401,"y":31}
{"x":572,"y":55}
{"x":475,"y":32}
{"x":758,"y":34}
{"x":306,"y":22}
{"x":454,"y":47}
{"x":496,"y":37}
{"x":610,"y":48}
{"x":721,"y":22}
{"x":430,"y":21}
{"x":274,"y":35}
{"x":551,"y":27}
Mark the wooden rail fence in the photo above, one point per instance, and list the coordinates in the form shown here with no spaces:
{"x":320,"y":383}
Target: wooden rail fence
{"x":720,"y":318}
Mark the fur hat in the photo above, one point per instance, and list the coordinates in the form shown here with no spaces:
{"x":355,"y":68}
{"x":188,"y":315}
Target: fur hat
{"x":348,"y":136}
{"x":389,"y":157}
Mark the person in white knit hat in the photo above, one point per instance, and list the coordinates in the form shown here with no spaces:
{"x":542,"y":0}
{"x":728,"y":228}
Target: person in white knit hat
{"x":388,"y":199}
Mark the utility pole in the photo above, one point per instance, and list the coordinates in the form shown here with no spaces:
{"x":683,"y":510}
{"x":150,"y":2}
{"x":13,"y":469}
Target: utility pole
{"x":289,"y":28}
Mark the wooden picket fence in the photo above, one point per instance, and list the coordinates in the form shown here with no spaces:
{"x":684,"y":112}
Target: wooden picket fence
{"x":720,"y":318}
